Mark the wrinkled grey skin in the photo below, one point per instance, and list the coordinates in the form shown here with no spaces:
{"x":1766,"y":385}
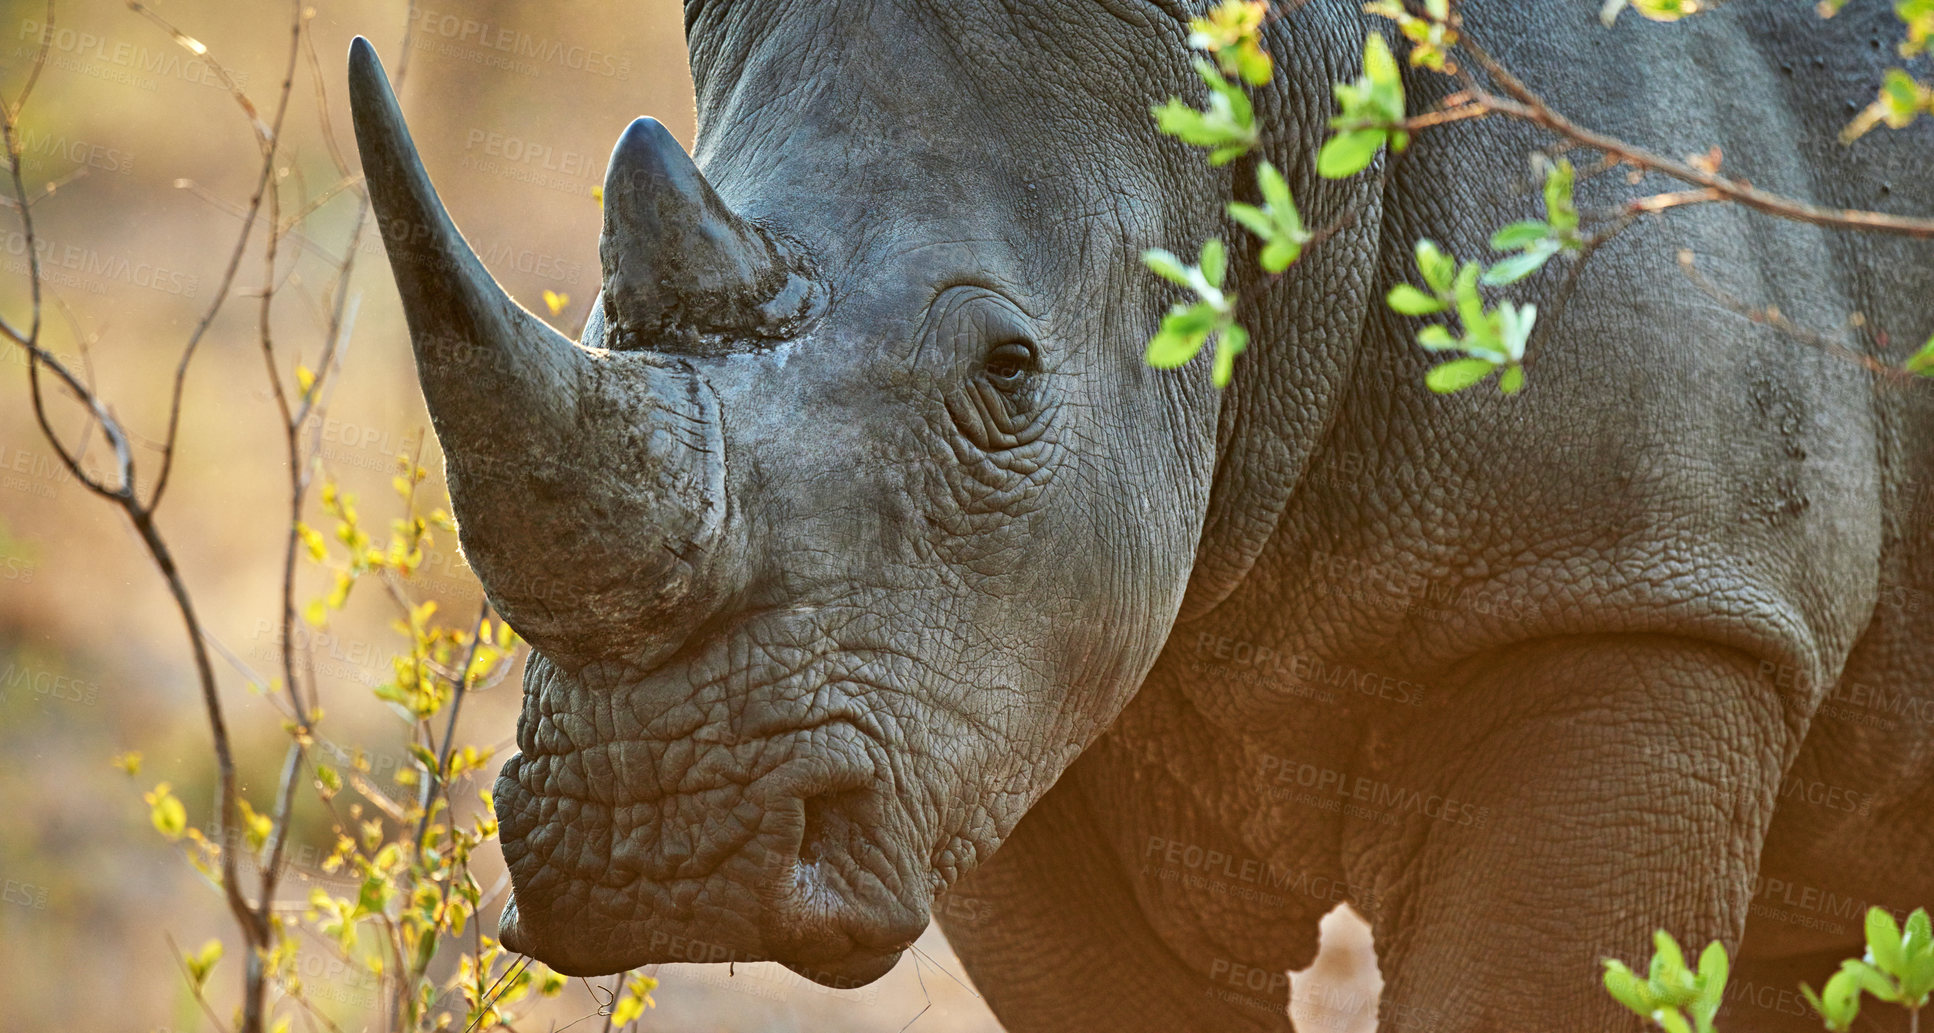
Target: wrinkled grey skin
{"x":854,"y":530}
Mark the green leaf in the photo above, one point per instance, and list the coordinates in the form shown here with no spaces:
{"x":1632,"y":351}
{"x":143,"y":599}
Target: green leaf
{"x":202,"y":962}
{"x":1170,"y":350}
{"x":1918,"y":983}
{"x":1227,"y":125}
{"x":1626,"y":988}
{"x":1229,"y":152}
{"x":1279,"y":224}
{"x":1520,"y":265}
{"x":1436,"y":337}
{"x":1871,"y":980}
{"x":1671,"y":1021}
{"x":165,"y":810}
{"x":1275,"y":190}
{"x":426,"y":946}
{"x":1280,"y":254}
{"x":1919,"y":933}
{"x":1841,"y":996}
{"x":1254,"y":64}
{"x":1458,"y":374}
{"x":1559,"y":210}
{"x":1713,"y":971}
{"x":1665,"y":10}
{"x":1917,"y":977}
{"x":1184,"y":330}
{"x":1514,"y":327}
{"x":1883,"y":941}
{"x":1185,"y":123}
{"x":1922,"y":362}
{"x":1519,"y":235}
{"x":1234,"y":97}
{"x":1233,"y":342}
{"x":1214,"y":261}
{"x":1409,"y":301}
{"x":1167,"y":266}
{"x":1379,"y":64}
{"x":1253,"y":219}
{"x":1349,"y":153}
{"x":1470,"y":305}
{"x":1438,"y":268}
{"x":1824,"y":1006}
{"x":1667,"y":959}
{"x":1513,"y":379}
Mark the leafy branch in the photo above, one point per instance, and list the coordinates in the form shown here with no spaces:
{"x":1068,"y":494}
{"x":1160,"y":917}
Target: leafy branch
{"x":1898,"y":968}
{"x":1371,"y":117}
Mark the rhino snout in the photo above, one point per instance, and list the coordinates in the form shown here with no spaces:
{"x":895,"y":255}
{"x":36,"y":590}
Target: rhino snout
{"x":774,"y":871}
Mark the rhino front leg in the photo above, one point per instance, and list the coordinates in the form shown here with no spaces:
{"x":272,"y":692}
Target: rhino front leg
{"x":1053,"y":933}
{"x":1586,"y":792}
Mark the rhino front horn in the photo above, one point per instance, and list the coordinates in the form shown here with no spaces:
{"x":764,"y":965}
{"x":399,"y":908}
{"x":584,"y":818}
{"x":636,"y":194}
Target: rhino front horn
{"x":458,"y":315}
{"x":589,"y":492}
{"x":681,"y":270}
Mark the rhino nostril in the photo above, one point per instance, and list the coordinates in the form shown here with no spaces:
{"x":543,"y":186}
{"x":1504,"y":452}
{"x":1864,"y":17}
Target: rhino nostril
{"x":827,"y":822}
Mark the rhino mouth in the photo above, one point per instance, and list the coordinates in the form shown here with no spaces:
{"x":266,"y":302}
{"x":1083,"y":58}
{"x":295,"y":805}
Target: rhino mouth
{"x":788,"y":844}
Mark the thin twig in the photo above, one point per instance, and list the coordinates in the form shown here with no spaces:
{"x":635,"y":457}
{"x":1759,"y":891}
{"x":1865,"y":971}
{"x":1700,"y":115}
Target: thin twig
{"x":462,"y":689}
{"x":1526,"y":105}
{"x":267,"y":138}
{"x":181,"y":962}
{"x":1774,"y":318}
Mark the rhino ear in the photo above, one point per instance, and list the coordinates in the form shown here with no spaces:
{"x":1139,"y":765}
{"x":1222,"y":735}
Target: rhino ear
{"x":680,"y":266}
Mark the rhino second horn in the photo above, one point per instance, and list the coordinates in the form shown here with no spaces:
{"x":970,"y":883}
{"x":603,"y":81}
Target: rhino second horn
{"x":681,"y":270}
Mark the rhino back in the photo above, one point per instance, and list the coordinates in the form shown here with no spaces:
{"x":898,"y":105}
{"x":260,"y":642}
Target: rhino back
{"x":1674,"y":467}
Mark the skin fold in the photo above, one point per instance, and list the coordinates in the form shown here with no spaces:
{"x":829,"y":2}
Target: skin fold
{"x":871,"y":575}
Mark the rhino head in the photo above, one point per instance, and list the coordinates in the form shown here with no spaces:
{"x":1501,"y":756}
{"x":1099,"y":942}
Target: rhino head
{"x":853,"y":517}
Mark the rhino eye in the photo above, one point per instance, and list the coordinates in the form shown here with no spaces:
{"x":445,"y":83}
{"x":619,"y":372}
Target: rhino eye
{"x":1009,"y":363}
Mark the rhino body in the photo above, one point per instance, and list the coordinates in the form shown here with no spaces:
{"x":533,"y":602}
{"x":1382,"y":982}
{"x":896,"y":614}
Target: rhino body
{"x":855,"y":541}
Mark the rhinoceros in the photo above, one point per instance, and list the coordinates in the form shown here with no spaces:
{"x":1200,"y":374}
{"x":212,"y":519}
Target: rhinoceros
{"x":870,"y":573}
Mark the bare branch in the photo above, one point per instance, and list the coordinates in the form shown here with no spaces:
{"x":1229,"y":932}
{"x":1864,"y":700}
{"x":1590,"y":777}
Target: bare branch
{"x":33,"y":71}
{"x":267,"y":137}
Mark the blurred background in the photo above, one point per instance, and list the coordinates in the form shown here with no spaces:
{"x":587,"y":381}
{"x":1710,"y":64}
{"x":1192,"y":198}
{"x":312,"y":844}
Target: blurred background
{"x":143,"y":163}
